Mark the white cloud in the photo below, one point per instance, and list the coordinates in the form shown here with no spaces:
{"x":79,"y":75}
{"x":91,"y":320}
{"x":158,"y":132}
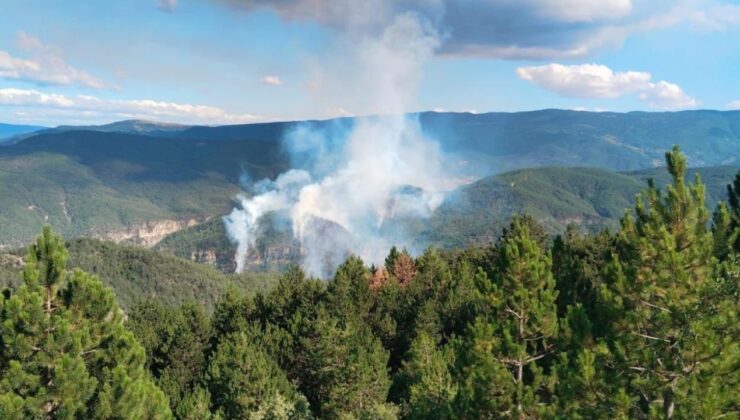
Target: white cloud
{"x":44,"y":67}
{"x":271,"y":80}
{"x":666,"y":95}
{"x":93,"y":107}
{"x":734,"y":104}
{"x":584,"y":80}
{"x":599,"y":81}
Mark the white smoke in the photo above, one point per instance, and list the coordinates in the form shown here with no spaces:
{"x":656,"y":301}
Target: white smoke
{"x":243,"y":223}
{"x":375,"y":171}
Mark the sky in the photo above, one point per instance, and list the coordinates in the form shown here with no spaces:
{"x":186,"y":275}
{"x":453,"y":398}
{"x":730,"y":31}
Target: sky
{"x":240,"y":61}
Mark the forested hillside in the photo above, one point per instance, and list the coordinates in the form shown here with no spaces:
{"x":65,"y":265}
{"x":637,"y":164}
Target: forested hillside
{"x":639,"y":323}
{"x":95,"y":180}
{"x":135,"y":273}
{"x":589,"y":199}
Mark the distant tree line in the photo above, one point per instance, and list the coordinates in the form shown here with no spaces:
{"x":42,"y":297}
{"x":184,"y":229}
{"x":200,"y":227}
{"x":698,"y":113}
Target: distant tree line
{"x":641,"y":323}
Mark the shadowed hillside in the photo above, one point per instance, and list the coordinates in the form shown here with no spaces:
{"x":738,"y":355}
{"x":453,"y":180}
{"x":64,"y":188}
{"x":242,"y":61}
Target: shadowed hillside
{"x":112,"y":181}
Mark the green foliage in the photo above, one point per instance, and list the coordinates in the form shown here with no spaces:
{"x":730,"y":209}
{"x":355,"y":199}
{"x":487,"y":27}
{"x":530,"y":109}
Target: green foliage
{"x":732,"y":218}
{"x":640,"y":323}
{"x":656,"y":288}
{"x":243,"y":380}
{"x":176,"y":341}
{"x":135,"y":273}
{"x":65,"y":352}
{"x":431,"y":386}
{"x":475,"y":214}
{"x":343,"y":367}
{"x":521,"y":332}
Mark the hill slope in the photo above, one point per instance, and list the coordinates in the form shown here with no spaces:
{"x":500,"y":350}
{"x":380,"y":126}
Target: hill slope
{"x":590,"y":198}
{"x":88,"y":183}
{"x":132,"y":176}
{"x":136,"y":273}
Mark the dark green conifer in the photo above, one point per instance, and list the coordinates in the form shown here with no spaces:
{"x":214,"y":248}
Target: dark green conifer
{"x":64,"y":349}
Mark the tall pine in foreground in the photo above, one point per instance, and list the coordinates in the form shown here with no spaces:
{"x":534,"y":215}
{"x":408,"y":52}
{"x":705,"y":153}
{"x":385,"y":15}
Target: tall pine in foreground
{"x":662,"y":348}
{"x":64,"y":350}
{"x":508,"y":349}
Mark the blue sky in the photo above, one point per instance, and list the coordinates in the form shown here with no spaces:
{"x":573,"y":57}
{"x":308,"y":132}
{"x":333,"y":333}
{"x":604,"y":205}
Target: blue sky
{"x":234,"y":61}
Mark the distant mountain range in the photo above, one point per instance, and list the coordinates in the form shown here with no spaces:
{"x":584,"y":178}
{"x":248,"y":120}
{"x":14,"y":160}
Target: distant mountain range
{"x":131,"y":179}
{"x":9,"y":131}
{"x":149,"y":128}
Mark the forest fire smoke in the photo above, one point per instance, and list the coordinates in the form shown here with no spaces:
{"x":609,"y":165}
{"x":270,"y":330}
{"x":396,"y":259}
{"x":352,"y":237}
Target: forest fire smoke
{"x":349,"y":182}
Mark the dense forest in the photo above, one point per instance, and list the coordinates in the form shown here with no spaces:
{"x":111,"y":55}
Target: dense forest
{"x":637,"y":323}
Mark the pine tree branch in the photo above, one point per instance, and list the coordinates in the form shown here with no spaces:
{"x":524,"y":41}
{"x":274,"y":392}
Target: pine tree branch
{"x":655,"y":306}
{"x":538,"y":357}
{"x":509,"y":310}
{"x":650,"y":337}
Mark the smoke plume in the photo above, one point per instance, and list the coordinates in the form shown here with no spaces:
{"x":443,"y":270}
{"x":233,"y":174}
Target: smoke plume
{"x":353,"y":179}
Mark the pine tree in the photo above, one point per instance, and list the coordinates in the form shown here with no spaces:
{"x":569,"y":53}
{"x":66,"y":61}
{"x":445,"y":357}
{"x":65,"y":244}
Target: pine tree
{"x":404,"y":268}
{"x":64,"y":350}
{"x":342,"y":367}
{"x":176,"y":340}
{"x":578,"y":262}
{"x":586,"y":388}
{"x":431,"y":386}
{"x":657,"y":285}
{"x":243,"y":380}
{"x":725,"y":233}
{"x":390,"y":260}
{"x":521,"y":332}
{"x":348,"y":295}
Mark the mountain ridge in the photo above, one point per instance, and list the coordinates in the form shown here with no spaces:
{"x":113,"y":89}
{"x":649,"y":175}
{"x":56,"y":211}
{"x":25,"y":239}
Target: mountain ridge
{"x":84,"y":181}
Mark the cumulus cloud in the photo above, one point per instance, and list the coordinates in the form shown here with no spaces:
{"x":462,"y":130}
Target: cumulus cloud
{"x":599,"y":81}
{"x":584,"y":80}
{"x":734,"y":104}
{"x":45,"y":66}
{"x":666,"y":95}
{"x":271,"y":80}
{"x":94,"y":107}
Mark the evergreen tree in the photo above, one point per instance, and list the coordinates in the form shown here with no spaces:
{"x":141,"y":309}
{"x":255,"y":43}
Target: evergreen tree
{"x":585,"y":387}
{"x":243,"y":380}
{"x":343,"y":367}
{"x":176,"y":341}
{"x":64,"y":349}
{"x":390,"y":260}
{"x":510,"y":346}
{"x":578,"y":264}
{"x":657,"y":285}
{"x":231,"y":315}
{"x":431,"y":387}
{"x":348,"y":295}
{"x":725,"y":233}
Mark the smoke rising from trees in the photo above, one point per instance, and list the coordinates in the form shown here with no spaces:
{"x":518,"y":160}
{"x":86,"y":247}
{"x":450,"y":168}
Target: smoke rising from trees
{"x":353,"y":180}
